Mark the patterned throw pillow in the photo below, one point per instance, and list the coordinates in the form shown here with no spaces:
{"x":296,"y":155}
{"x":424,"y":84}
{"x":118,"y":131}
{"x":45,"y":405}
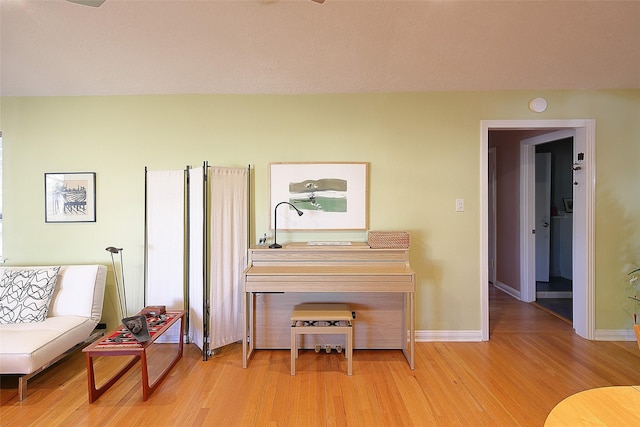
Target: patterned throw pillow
{"x":25,"y":294}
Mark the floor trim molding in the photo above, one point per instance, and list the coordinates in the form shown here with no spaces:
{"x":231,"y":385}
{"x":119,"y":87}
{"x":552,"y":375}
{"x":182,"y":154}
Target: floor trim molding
{"x":615,"y":335}
{"x":451,"y":336}
{"x":508,"y":290}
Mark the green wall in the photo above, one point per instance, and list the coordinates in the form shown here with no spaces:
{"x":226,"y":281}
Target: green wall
{"x":423,"y":150}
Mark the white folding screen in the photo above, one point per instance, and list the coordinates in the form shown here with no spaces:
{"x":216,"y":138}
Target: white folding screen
{"x":228,"y":252}
{"x":216,"y":249}
{"x":164,"y":252}
{"x":165,"y":239}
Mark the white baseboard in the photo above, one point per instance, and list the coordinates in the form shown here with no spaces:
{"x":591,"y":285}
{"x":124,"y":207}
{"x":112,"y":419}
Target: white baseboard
{"x":614,"y":335}
{"x":452,"y":336}
{"x":508,"y":289}
{"x":476,"y":336}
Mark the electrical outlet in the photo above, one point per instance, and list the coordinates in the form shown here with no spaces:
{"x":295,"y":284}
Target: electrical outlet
{"x":459,"y":205}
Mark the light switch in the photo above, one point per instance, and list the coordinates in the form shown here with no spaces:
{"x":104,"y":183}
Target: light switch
{"x":459,"y":205}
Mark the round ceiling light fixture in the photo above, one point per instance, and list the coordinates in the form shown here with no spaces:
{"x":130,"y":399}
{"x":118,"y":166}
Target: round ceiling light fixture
{"x":538,"y":105}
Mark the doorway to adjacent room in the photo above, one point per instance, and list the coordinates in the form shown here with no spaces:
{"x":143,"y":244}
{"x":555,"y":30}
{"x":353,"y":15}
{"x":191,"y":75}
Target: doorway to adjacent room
{"x":582,"y":171}
{"x":554,"y":223}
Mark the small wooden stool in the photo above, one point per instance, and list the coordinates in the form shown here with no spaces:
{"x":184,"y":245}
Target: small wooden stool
{"x":314,"y":318}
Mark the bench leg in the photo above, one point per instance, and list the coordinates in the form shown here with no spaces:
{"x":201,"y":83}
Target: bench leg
{"x":348,"y":332}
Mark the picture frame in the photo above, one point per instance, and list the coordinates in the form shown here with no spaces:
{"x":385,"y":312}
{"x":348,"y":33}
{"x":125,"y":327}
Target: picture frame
{"x":332,"y":196}
{"x":70,"y":197}
{"x":568,"y":205}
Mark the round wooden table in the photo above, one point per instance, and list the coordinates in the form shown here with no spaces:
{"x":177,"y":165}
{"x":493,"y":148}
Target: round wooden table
{"x":605,"y":406}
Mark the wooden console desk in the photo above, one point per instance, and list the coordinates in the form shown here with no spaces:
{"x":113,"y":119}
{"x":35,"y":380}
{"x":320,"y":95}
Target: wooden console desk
{"x":378,"y":284}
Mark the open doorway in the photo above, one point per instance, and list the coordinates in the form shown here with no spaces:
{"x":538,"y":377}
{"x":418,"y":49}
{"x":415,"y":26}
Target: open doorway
{"x":522,"y":284}
{"x":554,"y":225}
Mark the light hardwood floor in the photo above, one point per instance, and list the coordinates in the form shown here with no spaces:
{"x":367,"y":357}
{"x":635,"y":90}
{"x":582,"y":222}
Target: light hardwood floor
{"x":532,"y":361}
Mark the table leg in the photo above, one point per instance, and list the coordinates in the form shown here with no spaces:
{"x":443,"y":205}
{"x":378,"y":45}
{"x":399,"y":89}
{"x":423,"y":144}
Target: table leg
{"x":248,"y":322}
{"x":94,"y":392}
{"x":148,"y":389}
{"x":252,"y":323}
{"x":409,"y":353}
{"x":350,"y":349}
{"x":244,"y":330}
{"x":412,"y":330}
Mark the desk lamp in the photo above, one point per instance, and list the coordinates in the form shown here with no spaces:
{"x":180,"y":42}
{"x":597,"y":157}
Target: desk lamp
{"x":275,"y":244}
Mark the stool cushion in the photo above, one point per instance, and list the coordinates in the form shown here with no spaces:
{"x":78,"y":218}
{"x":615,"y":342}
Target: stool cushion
{"x":321,"y":311}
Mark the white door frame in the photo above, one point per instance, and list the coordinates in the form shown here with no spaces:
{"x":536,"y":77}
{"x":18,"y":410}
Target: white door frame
{"x":583,"y":219}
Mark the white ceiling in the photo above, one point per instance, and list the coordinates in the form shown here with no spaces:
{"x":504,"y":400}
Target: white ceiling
{"x":53,"y":47}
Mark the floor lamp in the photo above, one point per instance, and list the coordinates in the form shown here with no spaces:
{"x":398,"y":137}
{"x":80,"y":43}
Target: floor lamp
{"x":122,"y":294}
